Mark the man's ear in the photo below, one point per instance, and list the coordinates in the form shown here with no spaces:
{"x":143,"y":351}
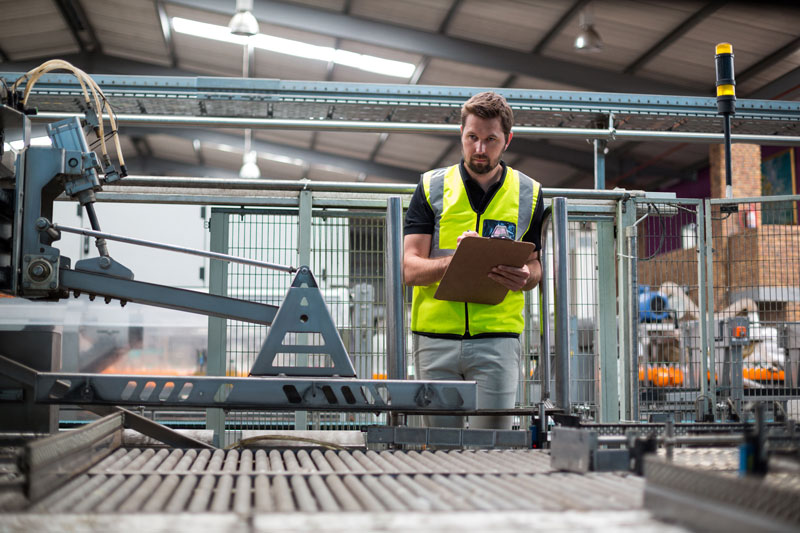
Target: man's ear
{"x":510,"y":135}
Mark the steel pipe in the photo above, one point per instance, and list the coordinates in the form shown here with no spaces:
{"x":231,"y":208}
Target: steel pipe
{"x":608,"y":134}
{"x":561,"y":286}
{"x":172,"y":248}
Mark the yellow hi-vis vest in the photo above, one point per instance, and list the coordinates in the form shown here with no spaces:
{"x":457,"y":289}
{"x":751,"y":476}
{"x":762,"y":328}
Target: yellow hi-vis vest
{"x":512,"y":207}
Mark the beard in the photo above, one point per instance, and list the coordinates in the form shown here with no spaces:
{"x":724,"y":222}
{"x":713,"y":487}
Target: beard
{"x":482,"y":167}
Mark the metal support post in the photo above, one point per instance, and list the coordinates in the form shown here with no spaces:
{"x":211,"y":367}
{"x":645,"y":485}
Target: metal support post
{"x":303,"y":258}
{"x":631,"y":234}
{"x":217,"y":327}
{"x":709,"y":354}
{"x":608,"y":382}
{"x":544,"y":324}
{"x":395,"y":333}
{"x":702,"y":258}
{"x":600,"y":146}
{"x":561,"y":280}
{"x":626,"y":216}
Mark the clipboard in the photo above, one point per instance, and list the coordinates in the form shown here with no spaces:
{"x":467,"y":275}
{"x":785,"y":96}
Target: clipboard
{"x":467,"y":276}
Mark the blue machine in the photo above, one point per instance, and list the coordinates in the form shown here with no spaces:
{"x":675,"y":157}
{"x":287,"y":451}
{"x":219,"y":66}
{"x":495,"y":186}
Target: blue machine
{"x":653,"y":305}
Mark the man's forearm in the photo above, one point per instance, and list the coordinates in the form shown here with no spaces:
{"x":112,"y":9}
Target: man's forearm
{"x":421,"y":271}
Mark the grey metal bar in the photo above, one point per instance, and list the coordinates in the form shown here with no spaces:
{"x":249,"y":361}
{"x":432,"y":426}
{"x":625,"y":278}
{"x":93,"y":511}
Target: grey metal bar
{"x":341,"y":187}
{"x":395,"y":315}
{"x":632,"y":234}
{"x":409,"y":127}
{"x":174,"y":248}
{"x":147,"y":427}
{"x":304,"y":232}
{"x":544,"y":317}
{"x":167,"y":297}
{"x":599,"y":163}
{"x":710,"y":353}
{"x":561,"y":284}
{"x":217,"y":326}
{"x":606,"y":367}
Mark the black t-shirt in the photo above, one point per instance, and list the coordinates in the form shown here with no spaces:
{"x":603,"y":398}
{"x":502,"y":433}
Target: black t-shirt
{"x":420,"y":218}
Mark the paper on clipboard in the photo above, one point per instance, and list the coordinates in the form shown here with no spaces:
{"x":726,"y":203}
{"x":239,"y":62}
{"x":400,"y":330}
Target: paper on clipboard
{"x":467,"y":277}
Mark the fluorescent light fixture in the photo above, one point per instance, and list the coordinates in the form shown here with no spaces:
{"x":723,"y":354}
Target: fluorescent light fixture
{"x":388,"y":67}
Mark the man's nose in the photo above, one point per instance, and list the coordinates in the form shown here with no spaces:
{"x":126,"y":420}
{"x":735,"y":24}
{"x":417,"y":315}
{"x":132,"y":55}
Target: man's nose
{"x":481,"y":148}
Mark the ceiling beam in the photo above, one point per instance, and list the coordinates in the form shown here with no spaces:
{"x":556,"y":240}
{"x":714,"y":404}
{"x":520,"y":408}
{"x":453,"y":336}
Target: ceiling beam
{"x":350,"y":164}
{"x":424,"y":43}
{"x":678,"y":32}
{"x":82,"y":30}
{"x":559,"y":25}
{"x":772,"y":59}
{"x":166,"y":32}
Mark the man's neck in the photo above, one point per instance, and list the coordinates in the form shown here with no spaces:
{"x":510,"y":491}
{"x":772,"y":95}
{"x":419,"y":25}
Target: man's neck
{"x":486,"y":180}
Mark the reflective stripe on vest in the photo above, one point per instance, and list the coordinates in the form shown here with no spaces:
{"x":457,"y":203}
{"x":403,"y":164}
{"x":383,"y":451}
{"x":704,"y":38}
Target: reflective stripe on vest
{"x":512,"y":206}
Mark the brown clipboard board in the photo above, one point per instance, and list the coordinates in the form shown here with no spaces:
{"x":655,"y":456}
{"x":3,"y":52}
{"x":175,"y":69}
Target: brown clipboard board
{"x":467,"y":276}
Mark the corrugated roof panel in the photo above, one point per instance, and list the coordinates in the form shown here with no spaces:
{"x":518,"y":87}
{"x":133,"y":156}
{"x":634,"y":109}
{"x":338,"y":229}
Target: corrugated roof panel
{"x":279,"y":171}
{"x":131,"y":28}
{"x":207,"y":56}
{"x":347,"y":144}
{"x":545,"y":172}
{"x":692,"y":57}
{"x":768,"y":75}
{"x":299,"y":139}
{"x":444,"y":72}
{"x":350,"y":74}
{"x":316,"y":173}
{"x":628,"y":29}
{"x":506,"y":23}
{"x":34,"y":29}
{"x":527,"y":82}
{"x":328,"y":5}
{"x":417,"y":152}
{"x":272,"y":65}
{"x":418,"y":14}
{"x":173,"y":148}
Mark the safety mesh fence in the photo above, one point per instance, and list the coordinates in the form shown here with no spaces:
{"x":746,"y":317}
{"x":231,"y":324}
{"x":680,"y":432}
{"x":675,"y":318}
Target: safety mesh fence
{"x":665,"y":309}
{"x":583,"y":322}
{"x":756,"y":292}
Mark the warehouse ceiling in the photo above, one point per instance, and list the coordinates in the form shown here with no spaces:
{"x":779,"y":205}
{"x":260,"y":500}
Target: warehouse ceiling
{"x":655,"y":47}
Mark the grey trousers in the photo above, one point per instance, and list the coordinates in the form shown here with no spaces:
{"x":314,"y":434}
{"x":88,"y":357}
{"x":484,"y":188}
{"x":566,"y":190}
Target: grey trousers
{"x":493,"y":363}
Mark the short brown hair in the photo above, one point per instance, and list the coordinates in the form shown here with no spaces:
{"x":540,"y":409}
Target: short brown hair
{"x":489,"y":105}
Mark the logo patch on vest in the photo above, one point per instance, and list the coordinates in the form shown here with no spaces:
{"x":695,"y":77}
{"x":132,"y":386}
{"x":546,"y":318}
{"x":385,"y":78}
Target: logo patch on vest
{"x":499,"y":229}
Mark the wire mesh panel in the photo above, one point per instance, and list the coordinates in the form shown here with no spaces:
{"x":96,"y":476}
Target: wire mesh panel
{"x":756,"y":290}
{"x":665,"y":309}
{"x":583,"y":322}
{"x":263,"y":235}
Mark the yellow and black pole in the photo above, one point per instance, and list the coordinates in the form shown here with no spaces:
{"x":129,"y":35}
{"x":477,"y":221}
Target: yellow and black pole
{"x":726,"y":103}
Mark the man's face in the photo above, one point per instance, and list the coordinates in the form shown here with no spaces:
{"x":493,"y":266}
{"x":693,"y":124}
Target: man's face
{"x":483,"y":144}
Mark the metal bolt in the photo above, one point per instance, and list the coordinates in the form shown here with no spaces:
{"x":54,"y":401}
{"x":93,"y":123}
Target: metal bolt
{"x":73,"y":162}
{"x":37,"y":271}
{"x":42,"y":223}
{"x":105,"y":262}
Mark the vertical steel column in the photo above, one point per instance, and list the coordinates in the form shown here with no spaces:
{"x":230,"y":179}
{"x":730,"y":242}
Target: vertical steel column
{"x":702,"y":293}
{"x":304,"y":231}
{"x":607,"y":369}
{"x":632,"y":234}
{"x":395,"y":333}
{"x":217,"y":327}
{"x":626,"y":216}
{"x":561,"y":280}
{"x":600,"y":163}
{"x":708,"y":347}
{"x":544,"y":309}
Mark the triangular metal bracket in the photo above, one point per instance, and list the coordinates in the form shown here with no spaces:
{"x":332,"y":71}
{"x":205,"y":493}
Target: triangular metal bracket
{"x":303,"y":311}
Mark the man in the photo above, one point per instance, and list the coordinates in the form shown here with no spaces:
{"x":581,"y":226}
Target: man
{"x":479,"y":196}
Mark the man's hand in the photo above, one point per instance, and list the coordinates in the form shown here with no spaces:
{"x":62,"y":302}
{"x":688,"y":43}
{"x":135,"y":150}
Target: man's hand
{"x":466,"y":234}
{"x":512,"y":278}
